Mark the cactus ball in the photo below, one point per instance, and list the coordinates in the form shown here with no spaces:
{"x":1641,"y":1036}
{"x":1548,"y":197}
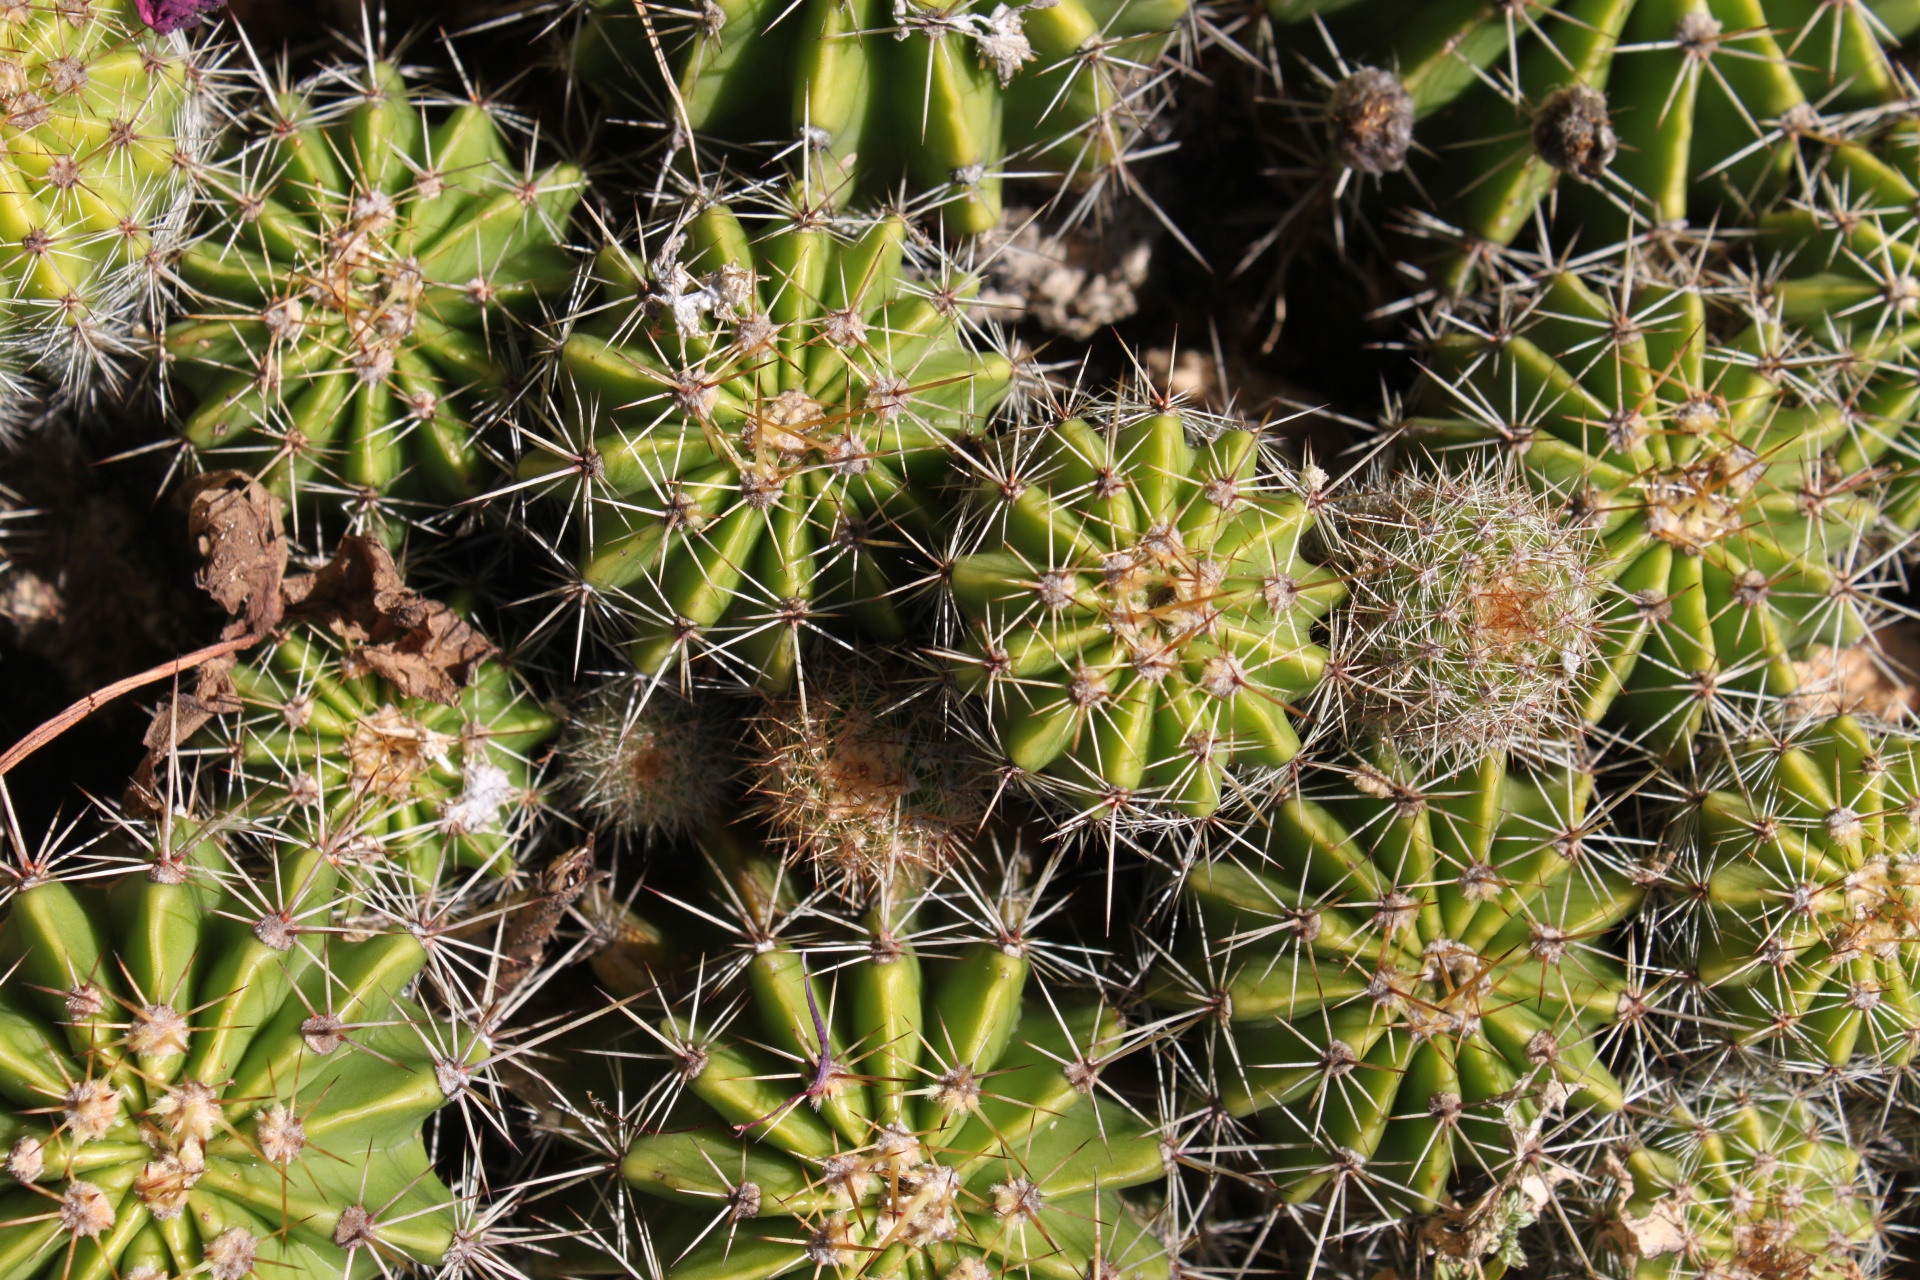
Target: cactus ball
{"x":1476,"y":610}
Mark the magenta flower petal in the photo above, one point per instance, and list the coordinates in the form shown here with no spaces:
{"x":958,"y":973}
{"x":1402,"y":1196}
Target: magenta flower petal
{"x":168,"y":16}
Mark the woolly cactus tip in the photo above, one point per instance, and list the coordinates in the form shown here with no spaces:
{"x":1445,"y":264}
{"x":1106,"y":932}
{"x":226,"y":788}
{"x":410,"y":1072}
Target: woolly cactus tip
{"x":642,"y":761}
{"x":860,"y":776}
{"x":1474,"y":613}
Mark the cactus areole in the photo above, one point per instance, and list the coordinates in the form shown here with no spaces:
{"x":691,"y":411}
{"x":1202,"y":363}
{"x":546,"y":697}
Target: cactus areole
{"x":948,"y":97}
{"x":864,"y":1117}
{"x":198,"y":1077}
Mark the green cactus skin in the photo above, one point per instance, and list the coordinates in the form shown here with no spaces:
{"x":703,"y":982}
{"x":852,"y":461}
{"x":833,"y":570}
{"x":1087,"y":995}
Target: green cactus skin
{"x":1693,"y":105}
{"x":1137,"y":607}
{"x":1844,"y":266}
{"x":201,"y":1077}
{"x":1473,"y":613}
{"x":1731,"y":1181}
{"x":950,"y":1127}
{"x":1393,"y":959}
{"x":1800,"y":879}
{"x":106,"y":124}
{"x":1711,"y":472}
{"x":945,"y":97}
{"x":761,"y":421}
{"x":372,"y":250}
{"x":435,"y":786}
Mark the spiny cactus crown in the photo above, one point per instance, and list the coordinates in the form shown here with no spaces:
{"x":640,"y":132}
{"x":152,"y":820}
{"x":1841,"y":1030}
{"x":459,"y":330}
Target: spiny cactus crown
{"x":376,"y":240}
{"x":1137,"y":608}
{"x":956,"y":94}
{"x":1798,"y":885}
{"x":645,"y":762}
{"x":202,"y":1075}
{"x":1396,"y":956}
{"x":1473,"y":614}
{"x":1715,"y":473}
{"x":757,"y":420}
{"x":1736,"y":1179}
{"x":380,"y":776}
{"x":873,"y":1107}
{"x":108,"y":123}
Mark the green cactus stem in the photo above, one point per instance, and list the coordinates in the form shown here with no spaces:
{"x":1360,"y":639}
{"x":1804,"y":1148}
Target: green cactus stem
{"x":1136,"y":606}
{"x":1394,"y":962}
{"x":946,"y":98}
{"x":757,"y":428}
{"x":354,"y":303}
{"x":201,"y":1077}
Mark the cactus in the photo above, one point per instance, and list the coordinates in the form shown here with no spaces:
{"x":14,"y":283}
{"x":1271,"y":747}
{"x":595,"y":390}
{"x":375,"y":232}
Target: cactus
{"x":641,"y":762}
{"x":858,"y":774}
{"x":757,"y":423}
{"x":1735,"y":1178}
{"x":1795,"y":884}
{"x":381,"y":775}
{"x":1136,"y":605}
{"x":373,"y":246}
{"x":1597,"y":112}
{"x":109,"y":125}
{"x":949,"y":99}
{"x":204,"y":1077}
{"x":877,"y":1108}
{"x":1714,"y":473}
{"x":1393,"y":963}
{"x":1473,"y":613}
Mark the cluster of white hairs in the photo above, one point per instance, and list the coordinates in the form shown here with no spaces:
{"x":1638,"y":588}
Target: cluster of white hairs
{"x":1474,"y":615}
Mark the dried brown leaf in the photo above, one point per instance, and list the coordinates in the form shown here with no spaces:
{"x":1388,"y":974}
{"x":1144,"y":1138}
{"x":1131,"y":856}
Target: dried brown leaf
{"x":422,"y":646}
{"x":236,"y":524}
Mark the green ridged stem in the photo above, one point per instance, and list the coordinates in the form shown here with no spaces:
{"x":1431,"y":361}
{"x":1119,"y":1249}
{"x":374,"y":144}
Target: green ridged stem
{"x":103,"y":130}
{"x":956,"y":1136}
{"x":1138,"y":611}
{"x":1800,"y":874}
{"x":372,"y":253}
{"x":199,"y":1075}
{"x":1696,"y":92}
{"x":761,"y":424}
{"x":438,"y":786}
{"x":1720,"y":496}
{"x":1396,"y":958}
{"x":1745,"y":1183}
{"x":936,"y":106}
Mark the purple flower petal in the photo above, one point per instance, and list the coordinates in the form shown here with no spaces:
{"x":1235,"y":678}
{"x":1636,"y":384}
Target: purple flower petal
{"x":168,"y":16}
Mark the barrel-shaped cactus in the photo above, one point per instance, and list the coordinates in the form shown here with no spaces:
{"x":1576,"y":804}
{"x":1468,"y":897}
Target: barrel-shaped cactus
{"x":1600,"y":113}
{"x":1737,"y":1178}
{"x":378,"y":775}
{"x":871,"y":1108}
{"x":107,"y":124}
{"x":1396,"y":961}
{"x":200,"y":1075}
{"x":1714,"y":473}
{"x":1797,"y":887}
{"x":949,"y":99}
{"x":353,"y":305}
{"x":1136,"y":609}
{"x":757,"y":425}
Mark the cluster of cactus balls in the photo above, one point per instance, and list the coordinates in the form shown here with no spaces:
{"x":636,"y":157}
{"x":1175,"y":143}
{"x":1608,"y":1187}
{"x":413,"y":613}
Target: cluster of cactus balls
{"x":688,"y":731}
